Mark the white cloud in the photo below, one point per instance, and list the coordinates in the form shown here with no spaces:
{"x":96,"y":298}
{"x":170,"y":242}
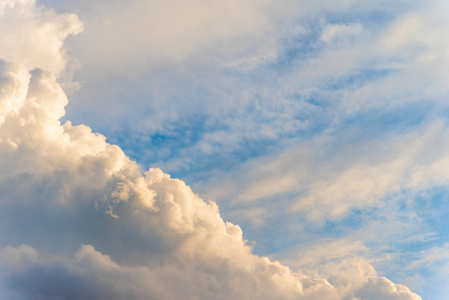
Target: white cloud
{"x":327,"y":178}
{"x":235,"y":106}
{"x":34,"y":35}
{"x":70,"y":183}
{"x":381,"y":286}
{"x":138,"y":234}
{"x":351,"y":75}
{"x":334,"y":32}
{"x":432,"y":256}
{"x":128,"y":39}
{"x":14,"y":88}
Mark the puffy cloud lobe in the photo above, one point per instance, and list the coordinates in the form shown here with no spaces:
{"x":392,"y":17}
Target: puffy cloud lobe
{"x":384,"y":287}
{"x":13,"y":87}
{"x":34,"y":35}
{"x":64,"y":186}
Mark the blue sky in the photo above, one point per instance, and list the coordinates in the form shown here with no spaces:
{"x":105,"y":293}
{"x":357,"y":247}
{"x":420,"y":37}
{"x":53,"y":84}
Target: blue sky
{"x":320,"y":128}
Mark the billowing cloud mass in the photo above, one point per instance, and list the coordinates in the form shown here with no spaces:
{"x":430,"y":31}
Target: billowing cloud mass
{"x":138,"y":235}
{"x":80,"y":220}
{"x":34,"y":35}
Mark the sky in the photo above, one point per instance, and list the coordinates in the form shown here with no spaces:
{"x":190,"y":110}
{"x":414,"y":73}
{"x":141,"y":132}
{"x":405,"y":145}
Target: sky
{"x":206,"y":149}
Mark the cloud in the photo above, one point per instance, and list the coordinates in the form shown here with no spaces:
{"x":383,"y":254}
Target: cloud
{"x":431,"y":263}
{"x":335,"y":31}
{"x":239,"y":33}
{"x":33,"y":35}
{"x":206,"y":110}
{"x":327,"y":177}
{"x":69,"y":183}
{"x":138,"y":234}
{"x":92,"y":275}
{"x":193,"y":111}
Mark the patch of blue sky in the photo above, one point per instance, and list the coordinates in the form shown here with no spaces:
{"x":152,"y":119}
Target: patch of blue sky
{"x":437,"y":290}
{"x":358,"y":78}
{"x":307,"y":44}
{"x":291,"y":232}
{"x":302,"y":46}
{"x":420,"y":247}
{"x":188,"y":131}
{"x":378,"y":121}
{"x":373,"y":17}
{"x":178,"y":135}
{"x":398,"y":228}
{"x":432,"y":206}
{"x":202,"y":164}
{"x":277,"y":234}
{"x":160,"y":145}
{"x":382,"y":242}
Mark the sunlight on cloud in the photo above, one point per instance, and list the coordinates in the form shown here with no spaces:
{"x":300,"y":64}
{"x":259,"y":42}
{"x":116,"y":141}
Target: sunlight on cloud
{"x":139,"y":235}
{"x":240,"y":33}
{"x":34,"y":35}
{"x":75,"y":173}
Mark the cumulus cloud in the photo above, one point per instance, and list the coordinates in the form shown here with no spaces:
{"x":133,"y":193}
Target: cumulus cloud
{"x":64,"y":185}
{"x":139,"y":235}
{"x":33,"y":35}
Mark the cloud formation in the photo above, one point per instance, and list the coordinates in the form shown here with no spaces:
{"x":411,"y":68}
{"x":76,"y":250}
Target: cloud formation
{"x":64,"y":187}
{"x":33,"y":35}
{"x":139,"y":235}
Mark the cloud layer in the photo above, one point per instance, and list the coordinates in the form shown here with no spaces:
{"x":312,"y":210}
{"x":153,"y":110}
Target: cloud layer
{"x":79,"y":219}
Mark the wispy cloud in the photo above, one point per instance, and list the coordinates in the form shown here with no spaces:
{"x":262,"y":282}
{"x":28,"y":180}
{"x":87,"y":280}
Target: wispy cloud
{"x":341,"y":175}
